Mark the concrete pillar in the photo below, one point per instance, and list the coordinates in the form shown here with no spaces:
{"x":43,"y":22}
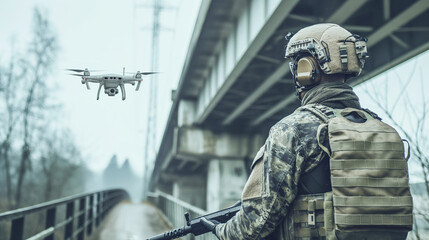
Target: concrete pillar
{"x":225,"y":182}
{"x":165,"y":187}
{"x":186,"y":113}
{"x":191,"y":189}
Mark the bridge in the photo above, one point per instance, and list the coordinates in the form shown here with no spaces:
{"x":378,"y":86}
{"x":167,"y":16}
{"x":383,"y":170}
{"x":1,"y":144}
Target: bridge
{"x":234,"y":85}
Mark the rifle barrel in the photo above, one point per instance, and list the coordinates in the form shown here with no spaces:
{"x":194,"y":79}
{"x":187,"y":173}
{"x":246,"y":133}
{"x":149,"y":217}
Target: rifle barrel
{"x":175,"y":233}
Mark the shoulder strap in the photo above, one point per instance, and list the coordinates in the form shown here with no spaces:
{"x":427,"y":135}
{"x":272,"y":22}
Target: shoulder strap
{"x":373,"y":114}
{"x":323,"y":112}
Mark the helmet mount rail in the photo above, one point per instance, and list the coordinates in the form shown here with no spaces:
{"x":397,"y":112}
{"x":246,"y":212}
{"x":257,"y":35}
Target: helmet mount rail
{"x":309,"y":45}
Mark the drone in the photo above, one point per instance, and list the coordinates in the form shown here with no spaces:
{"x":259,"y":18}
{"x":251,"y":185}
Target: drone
{"x":110,"y":82}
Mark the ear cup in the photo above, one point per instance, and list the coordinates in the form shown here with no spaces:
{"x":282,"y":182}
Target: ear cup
{"x":307,"y":71}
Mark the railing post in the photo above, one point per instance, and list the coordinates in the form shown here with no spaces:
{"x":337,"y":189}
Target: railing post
{"x":68,"y":233}
{"x":17,"y":229}
{"x":103,"y":205}
{"x":98,"y":210}
{"x":90,"y":215}
{"x":81,"y":220}
{"x":50,"y":221}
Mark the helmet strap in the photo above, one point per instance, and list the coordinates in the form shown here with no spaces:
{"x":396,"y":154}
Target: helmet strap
{"x":301,"y":89}
{"x":344,"y":58}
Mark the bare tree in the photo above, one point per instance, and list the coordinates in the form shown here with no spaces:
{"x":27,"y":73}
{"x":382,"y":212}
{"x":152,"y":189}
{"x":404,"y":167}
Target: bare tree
{"x":11,"y":80}
{"x":60,"y":162}
{"x":28,"y":137}
{"x":42,"y":54}
{"x":410,"y":118}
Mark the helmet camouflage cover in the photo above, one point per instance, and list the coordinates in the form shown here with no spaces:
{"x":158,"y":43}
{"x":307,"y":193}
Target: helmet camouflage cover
{"x":335,"y":49}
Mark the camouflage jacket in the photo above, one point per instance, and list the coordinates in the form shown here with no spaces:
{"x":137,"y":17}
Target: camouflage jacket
{"x":290,"y":150}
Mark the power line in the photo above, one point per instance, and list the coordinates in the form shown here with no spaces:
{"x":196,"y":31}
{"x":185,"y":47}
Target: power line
{"x":150,"y":142}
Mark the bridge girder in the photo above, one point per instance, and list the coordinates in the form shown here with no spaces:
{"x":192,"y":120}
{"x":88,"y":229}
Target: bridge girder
{"x":235,"y":73}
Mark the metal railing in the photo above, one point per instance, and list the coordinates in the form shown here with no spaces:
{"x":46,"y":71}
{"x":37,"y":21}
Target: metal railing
{"x":174,"y":210}
{"x":77,"y":223}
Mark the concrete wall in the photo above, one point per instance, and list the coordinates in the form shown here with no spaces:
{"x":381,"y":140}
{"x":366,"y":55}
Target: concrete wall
{"x":225,"y":180}
{"x":191,"y":189}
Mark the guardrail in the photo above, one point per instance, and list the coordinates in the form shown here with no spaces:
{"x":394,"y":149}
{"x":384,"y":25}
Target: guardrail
{"x":78,"y":223}
{"x":174,"y":210}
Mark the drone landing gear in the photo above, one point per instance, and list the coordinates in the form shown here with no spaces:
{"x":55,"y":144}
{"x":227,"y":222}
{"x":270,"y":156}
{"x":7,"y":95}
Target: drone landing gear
{"x":122,"y":91}
{"x":99,"y":89}
{"x":138,"y":85}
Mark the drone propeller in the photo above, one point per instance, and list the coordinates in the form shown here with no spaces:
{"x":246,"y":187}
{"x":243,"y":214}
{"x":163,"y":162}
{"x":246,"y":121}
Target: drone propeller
{"x":75,"y":70}
{"x":83,"y":79}
{"x":149,"y":73}
{"x":82,"y":70}
{"x":144,"y":73}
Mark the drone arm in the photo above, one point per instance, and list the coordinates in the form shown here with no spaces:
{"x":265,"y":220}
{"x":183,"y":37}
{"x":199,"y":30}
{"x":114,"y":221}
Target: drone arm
{"x":99,"y":89}
{"x":93,"y":80}
{"x":123,"y":91}
{"x":130,"y":81}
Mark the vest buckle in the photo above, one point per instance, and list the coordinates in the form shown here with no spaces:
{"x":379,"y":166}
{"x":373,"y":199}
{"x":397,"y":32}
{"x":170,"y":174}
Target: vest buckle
{"x":311,"y":213}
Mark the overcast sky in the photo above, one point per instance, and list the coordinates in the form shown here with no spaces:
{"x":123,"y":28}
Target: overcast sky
{"x":105,"y":35}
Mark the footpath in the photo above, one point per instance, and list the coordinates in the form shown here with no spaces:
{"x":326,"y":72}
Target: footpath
{"x":132,"y":221}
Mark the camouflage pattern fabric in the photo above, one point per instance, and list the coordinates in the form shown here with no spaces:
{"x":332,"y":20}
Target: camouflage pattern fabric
{"x":290,"y":150}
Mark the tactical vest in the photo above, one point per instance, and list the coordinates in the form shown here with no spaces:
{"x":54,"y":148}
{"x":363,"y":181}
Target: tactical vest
{"x":370,"y":197}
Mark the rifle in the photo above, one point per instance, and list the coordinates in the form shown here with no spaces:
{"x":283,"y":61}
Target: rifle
{"x":195,"y":227}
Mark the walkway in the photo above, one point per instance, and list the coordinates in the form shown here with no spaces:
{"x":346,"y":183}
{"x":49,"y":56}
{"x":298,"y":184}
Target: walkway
{"x":132,"y":221}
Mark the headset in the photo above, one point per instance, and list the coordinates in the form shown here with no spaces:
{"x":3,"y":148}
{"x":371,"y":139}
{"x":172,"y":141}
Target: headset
{"x":306,"y":74}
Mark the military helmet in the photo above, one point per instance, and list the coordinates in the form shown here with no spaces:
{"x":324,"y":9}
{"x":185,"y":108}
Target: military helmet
{"x":335,"y":49}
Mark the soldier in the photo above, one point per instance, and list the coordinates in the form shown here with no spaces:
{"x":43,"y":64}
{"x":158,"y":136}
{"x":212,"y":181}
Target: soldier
{"x":289,"y":193}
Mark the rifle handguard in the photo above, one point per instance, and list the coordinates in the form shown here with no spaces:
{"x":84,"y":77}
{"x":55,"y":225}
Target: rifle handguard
{"x":196,"y":227}
{"x":210,"y":225}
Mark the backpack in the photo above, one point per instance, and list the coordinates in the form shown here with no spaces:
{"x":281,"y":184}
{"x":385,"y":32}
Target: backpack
{"x":370,"y":196}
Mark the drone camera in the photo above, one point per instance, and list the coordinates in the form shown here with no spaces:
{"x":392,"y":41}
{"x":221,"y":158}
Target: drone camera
{"x":111,"y":91}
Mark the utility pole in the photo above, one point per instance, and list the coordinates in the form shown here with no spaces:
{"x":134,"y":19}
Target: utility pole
{"x":150,"y":150}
